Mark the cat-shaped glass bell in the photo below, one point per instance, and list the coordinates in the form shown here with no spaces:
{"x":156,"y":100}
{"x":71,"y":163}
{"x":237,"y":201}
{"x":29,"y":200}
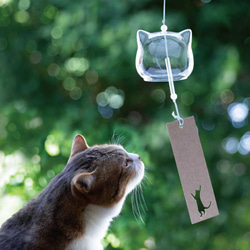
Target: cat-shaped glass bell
{"x":154,"y":48}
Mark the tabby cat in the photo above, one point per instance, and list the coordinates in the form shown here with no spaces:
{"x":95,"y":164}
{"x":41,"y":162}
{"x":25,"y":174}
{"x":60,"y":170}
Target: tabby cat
{"x":75,"y":210}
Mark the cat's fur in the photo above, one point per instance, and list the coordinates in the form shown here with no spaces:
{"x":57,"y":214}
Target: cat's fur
{"x":197,"y":197}
{"x":75,"y":210}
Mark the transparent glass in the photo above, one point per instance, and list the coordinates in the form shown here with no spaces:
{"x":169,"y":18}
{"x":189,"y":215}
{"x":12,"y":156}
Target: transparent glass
{"x":154,"y":48}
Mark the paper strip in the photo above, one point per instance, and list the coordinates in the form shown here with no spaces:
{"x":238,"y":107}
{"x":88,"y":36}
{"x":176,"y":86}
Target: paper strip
{"x":193,"y":172}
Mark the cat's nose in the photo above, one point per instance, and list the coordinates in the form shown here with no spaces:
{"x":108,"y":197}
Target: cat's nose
{"x":137,"y":157}
{"x":134,"y":157}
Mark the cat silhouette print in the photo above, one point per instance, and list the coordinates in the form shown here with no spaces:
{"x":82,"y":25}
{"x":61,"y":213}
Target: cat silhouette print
{"x":197,"y":197}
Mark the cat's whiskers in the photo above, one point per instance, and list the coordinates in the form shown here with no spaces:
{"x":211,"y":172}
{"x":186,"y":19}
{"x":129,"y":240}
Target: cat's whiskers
{"x":138,"y":205}
{"x":142,"y":200}
{"x":117,"y":139}
{"x":137,"y":201}
{"x":133,"y":207}
{"x":146,"y":179}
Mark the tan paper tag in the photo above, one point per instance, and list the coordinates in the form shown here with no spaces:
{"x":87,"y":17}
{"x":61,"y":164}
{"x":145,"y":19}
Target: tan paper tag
{"x":193,"y":170}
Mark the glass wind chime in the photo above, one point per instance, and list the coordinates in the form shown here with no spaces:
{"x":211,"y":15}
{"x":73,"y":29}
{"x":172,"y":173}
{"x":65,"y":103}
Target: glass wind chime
{"x":167,"y":56}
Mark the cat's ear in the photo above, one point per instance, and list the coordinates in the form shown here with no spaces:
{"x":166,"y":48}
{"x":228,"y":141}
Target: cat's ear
{"x":187,"y":35}
{"x":142,"y":36}
{"x":79,"y":144}
{"x":83,"y":182}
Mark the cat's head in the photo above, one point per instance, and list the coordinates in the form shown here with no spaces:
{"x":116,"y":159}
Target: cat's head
{"x":102,"y":174}
{"x":151,"y":54}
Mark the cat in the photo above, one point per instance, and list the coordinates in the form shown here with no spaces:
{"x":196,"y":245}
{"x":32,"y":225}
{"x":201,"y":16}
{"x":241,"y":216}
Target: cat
{"x":154,"y":48}
{"x":76,"y":208}
{"x":197,"y":197}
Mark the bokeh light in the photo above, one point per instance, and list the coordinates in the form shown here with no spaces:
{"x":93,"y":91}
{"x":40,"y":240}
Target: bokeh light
{"x":238,"y":113}
{"x":51,"y":147}
{"x":22,"y":16}
{"x":109,"y":100}
{"x":244,"y":146}
{"x":24,"y":4}
{"x":230,"y":144}
{"x":4,"y":2}
{"x":76,"y":65}
{"x":158,"y":95}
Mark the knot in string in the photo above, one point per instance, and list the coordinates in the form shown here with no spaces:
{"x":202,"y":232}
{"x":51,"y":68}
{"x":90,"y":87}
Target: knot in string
{"x":177,"y":115}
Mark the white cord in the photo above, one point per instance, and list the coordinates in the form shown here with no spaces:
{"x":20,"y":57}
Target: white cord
{"x":173,"y":95}
{"x":164,"y":12}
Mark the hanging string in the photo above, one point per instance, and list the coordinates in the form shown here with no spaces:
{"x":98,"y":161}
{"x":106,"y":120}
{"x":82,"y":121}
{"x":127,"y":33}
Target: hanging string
{"x":173,"y":95}
{"x":164,"y":12}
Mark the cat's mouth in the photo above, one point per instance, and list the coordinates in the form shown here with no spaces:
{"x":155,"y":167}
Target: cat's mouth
{"x":138,"y":167}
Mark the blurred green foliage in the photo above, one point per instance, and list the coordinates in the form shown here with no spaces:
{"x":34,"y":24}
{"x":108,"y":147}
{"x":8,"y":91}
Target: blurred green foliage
{"x":68,"y":67}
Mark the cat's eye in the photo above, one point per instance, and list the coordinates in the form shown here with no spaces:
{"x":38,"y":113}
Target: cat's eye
{"x":127,"y":163}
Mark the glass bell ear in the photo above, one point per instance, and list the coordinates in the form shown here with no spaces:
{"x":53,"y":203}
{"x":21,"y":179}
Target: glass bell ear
{"x":153,"y":48}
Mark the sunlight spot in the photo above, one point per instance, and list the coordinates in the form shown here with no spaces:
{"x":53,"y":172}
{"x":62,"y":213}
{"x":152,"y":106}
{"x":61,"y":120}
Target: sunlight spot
{"x":113,"y":240}
{"x":28,"y":182}
{"x":244,"y":146}
{"x":69,"y":83}
{"x":42,"y":182}
{"x":75,"y":93}
{"x":50,"y":11}
{"x":102,"y":99}
{"x":34,"y":123}
{"x":208,"y":125}
{"x":36,"y":159}
{"x":238,"y":112}
{"x":24,"y":4}
{"x":19,"y":178}
{"x":22,"y":16}
{"x":8,"y":206}
{"x":239,"y":169}
{"x":77,"y":65}
{"x":10,"y":165}
{"x":51,"y":173}
{"x":56,"y":32}
{"x":227,"y":96}
{"x":223,"y":166}
{"x":20,"y":106}
{"x":4,"y":2}
{"x":116,"y":101}
{"x":230,"y":144}
{"x":53,"y":69}
{"x":158,"y":95}
{"x":150,"y":243}
{"x":51,"y":147}
{"x":111,"y":98}
{"x":106,"y":112}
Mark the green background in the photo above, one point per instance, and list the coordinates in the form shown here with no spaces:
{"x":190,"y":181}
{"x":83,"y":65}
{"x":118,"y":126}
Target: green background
{"x":68,"y":67}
